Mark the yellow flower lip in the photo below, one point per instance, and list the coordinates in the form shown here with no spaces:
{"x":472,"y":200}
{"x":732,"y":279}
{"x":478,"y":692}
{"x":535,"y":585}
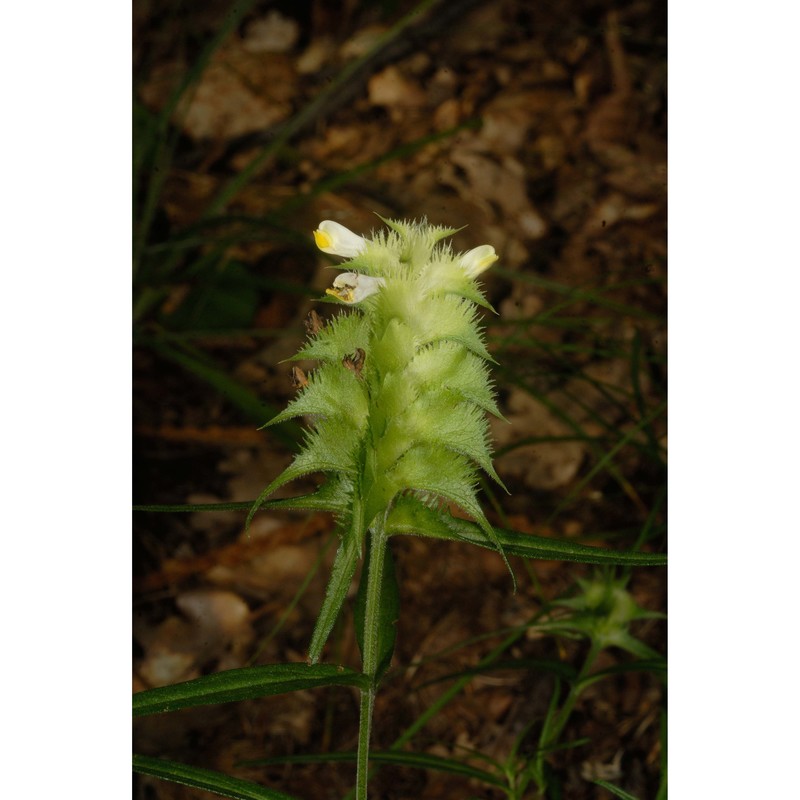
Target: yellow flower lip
{"x":351,"y":287}
{"x":336,"y":240}
{"x":478,"y":260}
{"x":322,"y":240}
{"x":344,"y":294}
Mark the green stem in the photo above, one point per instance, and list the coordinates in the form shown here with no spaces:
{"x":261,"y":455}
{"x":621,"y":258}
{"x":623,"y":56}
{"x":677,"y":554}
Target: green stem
{"x":554,"y":725}
{"x":450,"y":693}
{"x":364,"y":728}
{"x":378,"y":539}
{"x":574,"y":692}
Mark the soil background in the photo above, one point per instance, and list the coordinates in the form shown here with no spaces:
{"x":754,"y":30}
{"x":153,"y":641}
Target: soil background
{"x":541,"y":127}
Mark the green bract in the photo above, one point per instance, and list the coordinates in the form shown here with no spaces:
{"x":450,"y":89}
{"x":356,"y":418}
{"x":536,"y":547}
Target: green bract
{"x":397,"y":404}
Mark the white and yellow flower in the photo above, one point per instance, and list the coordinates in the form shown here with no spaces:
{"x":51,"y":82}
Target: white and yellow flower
{"x":336,"y":240}
{"x":478,"y":260}
{"x":350,"y":287}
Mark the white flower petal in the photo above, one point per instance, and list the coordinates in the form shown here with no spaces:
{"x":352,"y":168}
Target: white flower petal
{"x":335,"y":239}
{"x":477,"y":260}
{"x":350,"y":287}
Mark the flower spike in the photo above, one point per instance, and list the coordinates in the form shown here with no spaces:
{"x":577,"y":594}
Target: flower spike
{"x":478,"y":260}
{"x":336,"y":240}
{"x":397,"y":405}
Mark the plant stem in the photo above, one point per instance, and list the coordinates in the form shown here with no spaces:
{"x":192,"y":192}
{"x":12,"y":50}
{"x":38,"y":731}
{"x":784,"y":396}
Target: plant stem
{"x":378,"y":541}
{"x":449,"y":694}
{"x":574,"y":692}
{"x":555,"y":725}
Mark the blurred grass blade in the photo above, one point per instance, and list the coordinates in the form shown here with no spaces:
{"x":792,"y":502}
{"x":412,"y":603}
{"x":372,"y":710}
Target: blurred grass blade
{"x":399,"y":757}
{"x":651,"y":526}
{"x":662,"y":787}
{"x":309,"y":112}
{"x":236,"y":13}
{"x":159,"y":144}
{"x":207,"y":779}
{"x":190,"y":508}
{"x":591,"y":442}
{"x":636,"y":384}
{"x":531,"y":665}
{"x":615,"y":790}
{"x":578,"y":294}
{"x":242,"y":397}
{"x":341,"y":179}
{"x":656,"y":665}
{"x":305,"y":503}
{"x":605,"y":461}
{"x":324,"y":499}
{"x":436,"y":763}
{"x":548,"y":725}
{"x":243,"y":684}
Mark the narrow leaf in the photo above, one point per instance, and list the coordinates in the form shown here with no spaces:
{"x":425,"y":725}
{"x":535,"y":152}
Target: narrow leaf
{"x":331,"y":496}
{"x":216,"y":782}
{"x":243,"y":684}
{"x":344,"y":568}
{"x":530,"y":665}
{"x":410,"y":516}
{"x":400,"y":757}
{"x":615,"y":790}
{"x":658,"y":666}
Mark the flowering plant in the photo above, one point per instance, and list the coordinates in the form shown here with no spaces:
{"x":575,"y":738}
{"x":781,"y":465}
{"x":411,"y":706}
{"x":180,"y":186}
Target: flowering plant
{"x":397,"y":410}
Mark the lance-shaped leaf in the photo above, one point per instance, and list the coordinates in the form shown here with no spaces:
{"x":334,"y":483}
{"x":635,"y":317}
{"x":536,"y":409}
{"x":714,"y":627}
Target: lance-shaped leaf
{"x":207,"y":779}
{"x":243,"y":684}
{"x":412,"y":516}
{"x":344,"y":567}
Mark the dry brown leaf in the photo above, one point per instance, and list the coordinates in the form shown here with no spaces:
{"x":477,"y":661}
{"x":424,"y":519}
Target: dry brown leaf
{"x":447,"y":114}
{"x":215,"y":623}
{"x":276,"y":573}
{"x":272,"y":33}
{"x":361,"y":42}
{"x":612,"y":209}
{"x":240,"y":92}
{"x":506,"y":122}
{"x":503,"y":184}
{"x":391,"y":89}
{"x":316,"y":55}
{"x":218,"y":614}
{"x":546,"y":465}
{"x":170,"y":655}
